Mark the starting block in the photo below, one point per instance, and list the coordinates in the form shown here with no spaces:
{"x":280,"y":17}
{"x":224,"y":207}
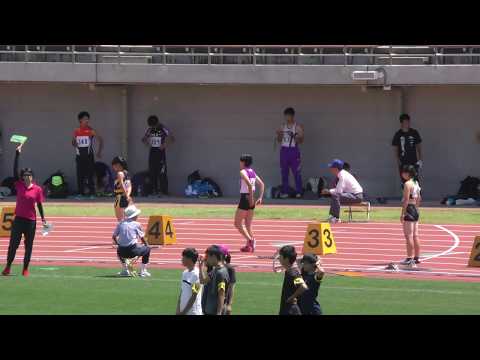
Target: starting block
{"x":160,"y":231}
{"x":475,"y":253}
{"x":6,"y":221}
{"x":319,"y":240}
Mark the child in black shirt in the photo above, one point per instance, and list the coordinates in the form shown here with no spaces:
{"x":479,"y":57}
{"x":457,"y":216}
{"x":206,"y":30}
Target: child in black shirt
{"x":293,"y":284}
{"x":312,"y":274}
{"x":231,"y":284}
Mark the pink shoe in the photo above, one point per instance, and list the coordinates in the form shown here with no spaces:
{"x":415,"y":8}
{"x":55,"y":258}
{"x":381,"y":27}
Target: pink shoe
{"x":250,"y":247}
{"x":25,"y":272}
{"x":6,"y":271}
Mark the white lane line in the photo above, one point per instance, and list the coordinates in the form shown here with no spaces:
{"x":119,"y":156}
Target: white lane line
{"x":450,"y":249}
{"x":456,"y":243}
{"x":81,"y":249}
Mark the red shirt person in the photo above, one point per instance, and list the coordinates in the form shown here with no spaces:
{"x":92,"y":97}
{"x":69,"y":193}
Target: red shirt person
{"x":25,"y":223}
{"x":83,"y":142}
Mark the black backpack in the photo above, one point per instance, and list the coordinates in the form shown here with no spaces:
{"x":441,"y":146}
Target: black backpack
{"x":9,"y":182}
{"x":56,"y":186}
{"x":215,"y":186}
{"x":141,"y":180}
{"x":193,"y":177}
{"x":469,"y":188}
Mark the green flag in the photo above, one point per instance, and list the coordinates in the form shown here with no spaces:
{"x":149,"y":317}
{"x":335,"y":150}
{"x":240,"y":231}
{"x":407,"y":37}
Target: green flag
{"x":18,"y":139}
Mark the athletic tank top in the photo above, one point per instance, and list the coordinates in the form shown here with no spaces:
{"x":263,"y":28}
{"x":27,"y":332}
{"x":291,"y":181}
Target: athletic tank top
{"x":84,"y":138}
{"x":415,"y":193}
{"x":252,"y":177}
{"x":157,"y":136}
{"x":118,"y":189}
{"x":288,"y":139}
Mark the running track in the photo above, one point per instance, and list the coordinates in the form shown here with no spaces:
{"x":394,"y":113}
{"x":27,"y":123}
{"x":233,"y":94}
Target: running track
{"x":361,"y":247}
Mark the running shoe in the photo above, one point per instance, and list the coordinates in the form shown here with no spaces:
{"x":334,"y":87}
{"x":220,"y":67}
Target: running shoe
{"x":411,"y":264}
{"x":144,"y":273}
{"x":79,"y":197}
{"x":125,"y":273}
{"x":406,"y":261}
{"x":249,"y":247}
{"x":6,"y":271}
{"x":283,"y":196}
{"x":92,"y":197}
{"x":25,"y":272}
{"x":333,"y":220}
{"x":298,"y":196}
{"x":417,"y":260}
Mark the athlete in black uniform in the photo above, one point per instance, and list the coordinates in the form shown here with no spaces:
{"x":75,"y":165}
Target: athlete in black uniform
{"x":293,"y":284}
{"x":157,"y":137}
{"x":122,"y":187}
{"x":312,"y":274}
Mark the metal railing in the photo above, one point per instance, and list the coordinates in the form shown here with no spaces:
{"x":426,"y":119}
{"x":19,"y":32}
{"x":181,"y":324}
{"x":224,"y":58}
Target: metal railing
{"x":245,"y":54}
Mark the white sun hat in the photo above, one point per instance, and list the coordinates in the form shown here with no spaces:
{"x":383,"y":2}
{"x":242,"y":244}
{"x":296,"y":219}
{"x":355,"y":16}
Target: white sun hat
{"x":131,"y":212}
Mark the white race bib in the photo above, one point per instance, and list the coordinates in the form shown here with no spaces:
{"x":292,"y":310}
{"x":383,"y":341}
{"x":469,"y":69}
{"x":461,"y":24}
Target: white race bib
{"x":83,"y":141}
{"x":155,"y":141}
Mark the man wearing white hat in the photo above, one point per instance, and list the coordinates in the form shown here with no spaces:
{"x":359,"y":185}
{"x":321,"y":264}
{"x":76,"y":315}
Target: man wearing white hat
{"x":126,"y":236}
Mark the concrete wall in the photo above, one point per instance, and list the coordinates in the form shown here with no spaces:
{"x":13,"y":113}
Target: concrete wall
{"x":215,"y":124}
{"x":47,"y":114}
{"x":448,"y":120}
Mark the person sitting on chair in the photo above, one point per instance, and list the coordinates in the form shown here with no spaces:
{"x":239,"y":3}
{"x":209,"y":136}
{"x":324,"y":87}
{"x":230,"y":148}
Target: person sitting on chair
{"x":347,"y":191}
{"x":126,"y":236}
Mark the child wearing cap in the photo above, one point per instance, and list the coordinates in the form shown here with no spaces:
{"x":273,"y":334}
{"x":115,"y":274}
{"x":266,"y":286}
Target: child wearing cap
{"x":189,"y":300}
{"x":293,"y":284}
{"x":126,"y":236}
{"x":347,"y":191}
{"x":312,"y":273}
{"x":233,"y":279}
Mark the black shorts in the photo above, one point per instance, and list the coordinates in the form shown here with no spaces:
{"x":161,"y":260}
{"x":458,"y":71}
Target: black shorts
{"x":121,"y":201}
{"x":412,"y":213}
{"x":244,"y":204}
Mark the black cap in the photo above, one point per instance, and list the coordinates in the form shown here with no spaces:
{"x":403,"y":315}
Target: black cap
{"x":310,"y":258}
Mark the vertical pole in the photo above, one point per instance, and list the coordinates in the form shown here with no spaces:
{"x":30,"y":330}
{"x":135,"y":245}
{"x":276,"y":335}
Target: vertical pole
{"x":125,"y":122}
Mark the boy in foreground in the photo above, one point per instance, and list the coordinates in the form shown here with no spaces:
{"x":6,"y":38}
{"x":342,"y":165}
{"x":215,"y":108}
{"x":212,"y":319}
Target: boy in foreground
{"x":312,"y":273}
{"x":189,"y":300}
{"x":229,"y":294}
{"x":217,"y":280}
{"x":293,"y":284}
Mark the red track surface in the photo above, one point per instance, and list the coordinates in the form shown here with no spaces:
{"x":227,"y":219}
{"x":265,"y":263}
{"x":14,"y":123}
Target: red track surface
{"x":365,"y":247}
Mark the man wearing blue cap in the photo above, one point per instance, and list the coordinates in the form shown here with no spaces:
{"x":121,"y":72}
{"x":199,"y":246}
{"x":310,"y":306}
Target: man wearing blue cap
{"x":348,"y":190}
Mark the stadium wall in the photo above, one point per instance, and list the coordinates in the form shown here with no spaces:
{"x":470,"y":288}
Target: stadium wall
{"x":214,"y":124}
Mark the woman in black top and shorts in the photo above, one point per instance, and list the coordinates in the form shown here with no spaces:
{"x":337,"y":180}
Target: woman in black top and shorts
{"x":410,"y":215}
{"x":122,"y":187}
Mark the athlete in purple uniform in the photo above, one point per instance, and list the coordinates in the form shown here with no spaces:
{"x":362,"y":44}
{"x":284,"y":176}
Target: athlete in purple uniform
{"x":244,"y":214}
{"x":290,"y":135}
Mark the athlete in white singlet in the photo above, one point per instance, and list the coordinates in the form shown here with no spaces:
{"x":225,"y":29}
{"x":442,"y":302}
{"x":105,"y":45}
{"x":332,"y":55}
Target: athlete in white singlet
{"x":410,"y":214}
{"x":246,"y":206}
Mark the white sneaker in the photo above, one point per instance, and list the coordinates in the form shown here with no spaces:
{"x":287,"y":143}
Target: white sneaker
{"x":283,"y":196}
{"x":333,"y":220}
{"x":125,"y":273}
{"x":298,"y":196}
{"x":144,"y":273}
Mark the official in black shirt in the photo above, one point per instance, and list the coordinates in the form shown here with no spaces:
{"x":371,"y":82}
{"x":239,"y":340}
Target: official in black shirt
{"x":312,"y":274}
{"x":407,"y":145}
{"x":293,"y":284}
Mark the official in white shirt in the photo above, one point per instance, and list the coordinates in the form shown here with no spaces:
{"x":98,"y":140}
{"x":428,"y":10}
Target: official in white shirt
{"x":348,"y":190}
